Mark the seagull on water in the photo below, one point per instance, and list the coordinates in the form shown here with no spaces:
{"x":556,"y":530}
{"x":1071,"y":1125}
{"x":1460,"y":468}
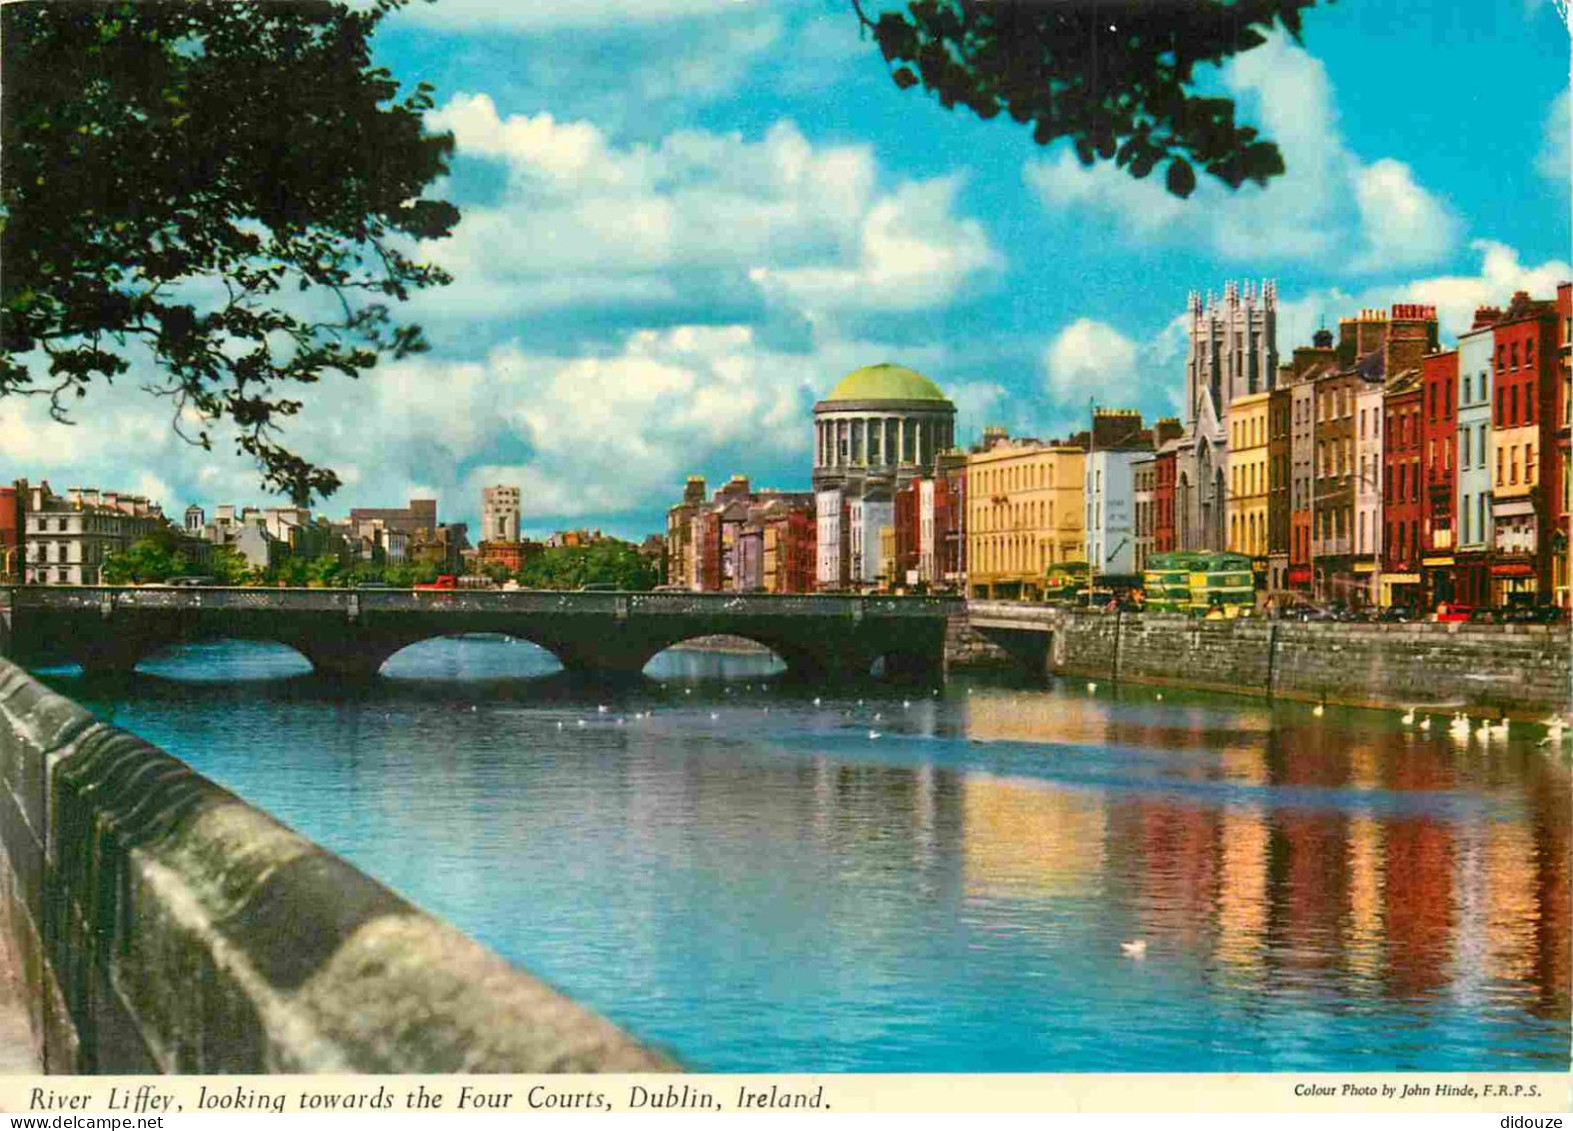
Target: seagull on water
{"x":873,"y":734}
{"x":1319,"y":710}
{"x":1091,"y":687}
{"x":1135,"y":948}
{"x":601,"y":710}
{"x":1408,"y":718}
{"x":816,"y":700}
{"x":1425,"y":723}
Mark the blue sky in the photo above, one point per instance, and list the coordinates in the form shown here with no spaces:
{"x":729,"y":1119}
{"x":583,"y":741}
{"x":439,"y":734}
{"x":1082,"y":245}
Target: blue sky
{"x":686,"y":219}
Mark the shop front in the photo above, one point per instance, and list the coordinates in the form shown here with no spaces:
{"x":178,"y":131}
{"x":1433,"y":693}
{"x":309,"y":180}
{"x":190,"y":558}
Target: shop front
{"x":1403,"y":589}
{"x":1438,"y":571}
{"x":1514,"y":582}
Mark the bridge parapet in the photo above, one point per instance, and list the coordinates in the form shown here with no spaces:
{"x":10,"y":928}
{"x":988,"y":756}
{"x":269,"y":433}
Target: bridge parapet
{"x":351,"y":632}
{"x":478,"y":600}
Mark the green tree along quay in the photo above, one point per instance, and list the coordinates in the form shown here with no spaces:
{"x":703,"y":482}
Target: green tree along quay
{"x":600,"y":563}
{"x":155,"y":557}
{"x":1115,"y":76}
{"x":228,"y":190}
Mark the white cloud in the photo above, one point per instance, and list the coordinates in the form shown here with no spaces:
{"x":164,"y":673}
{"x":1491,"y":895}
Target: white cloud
{"x":1328,"y":203}
{"x":583,"y":218}
{"x":1401,"y":224}
{"x":913,"y":253}
{"x":1088,"y":359}
{"x":1553,"y":161}
{"x":586,"y":434}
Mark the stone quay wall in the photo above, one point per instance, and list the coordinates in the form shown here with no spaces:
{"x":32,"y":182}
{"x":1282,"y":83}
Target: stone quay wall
{"x":1519,"y":670}
{"x":161,"y":924}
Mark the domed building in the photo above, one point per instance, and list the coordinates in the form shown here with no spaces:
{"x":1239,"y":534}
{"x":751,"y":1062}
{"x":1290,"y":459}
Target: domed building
{"x":881,"y":427}
{"x":882,"y":422}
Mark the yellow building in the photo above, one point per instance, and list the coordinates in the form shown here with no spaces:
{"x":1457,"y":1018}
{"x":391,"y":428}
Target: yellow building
{"x":1246,"y":507}
{"x":1024,"y":514}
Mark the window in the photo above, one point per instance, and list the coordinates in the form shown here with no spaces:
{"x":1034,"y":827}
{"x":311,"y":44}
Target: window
{"x":1500,"y":455}
{"x":1466,"y":388}
{"x":1529,"y":463}
{"x":1513,"y":355}
{"x":1501,"y":403}
{"x":1432,"y":398}
{"x":1463,"y":450}
{"x":1529,"y":405}
{"x":1512,"y":405}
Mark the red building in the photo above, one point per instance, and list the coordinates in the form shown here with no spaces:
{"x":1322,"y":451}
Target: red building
{"x":905,"y":520}
{"x":1402,"y":508}
{"x":510,"y":555}
{"x":1163,"y":503}
{"x":1438,"y":439}
{"x":11,"y":525}
{"x":1523,"y":431}
{"x":790,"y":544}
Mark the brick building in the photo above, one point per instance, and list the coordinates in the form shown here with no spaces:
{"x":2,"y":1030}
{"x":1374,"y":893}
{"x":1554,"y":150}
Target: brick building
{"x":1402,"y":508}
{"x":1439,"y":440}
{"x":1525,"y":366}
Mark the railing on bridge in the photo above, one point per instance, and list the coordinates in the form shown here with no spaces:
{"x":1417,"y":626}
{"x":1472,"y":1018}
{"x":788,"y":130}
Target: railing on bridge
{"x":616,"y":604}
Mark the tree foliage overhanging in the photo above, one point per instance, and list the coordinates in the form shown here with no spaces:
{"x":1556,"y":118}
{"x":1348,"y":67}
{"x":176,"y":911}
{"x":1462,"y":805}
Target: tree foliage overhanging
{"x":1114,"y":76}
{"x":230,"y":190}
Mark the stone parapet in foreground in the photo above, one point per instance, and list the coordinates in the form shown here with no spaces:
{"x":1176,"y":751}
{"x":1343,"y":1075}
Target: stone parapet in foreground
{"x":163,"y":925}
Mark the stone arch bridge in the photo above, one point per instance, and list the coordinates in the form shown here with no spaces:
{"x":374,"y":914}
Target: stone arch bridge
{"x":350,"y":633}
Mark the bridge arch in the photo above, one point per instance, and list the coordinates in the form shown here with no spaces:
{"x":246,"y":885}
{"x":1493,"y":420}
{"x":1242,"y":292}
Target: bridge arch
{"x":215,"y":658}
{"x":691,"y":658}
{"x":502,"y":655}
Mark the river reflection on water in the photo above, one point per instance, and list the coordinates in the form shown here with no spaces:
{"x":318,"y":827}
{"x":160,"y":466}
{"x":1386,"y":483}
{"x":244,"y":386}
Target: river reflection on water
{"x":893,"y":879}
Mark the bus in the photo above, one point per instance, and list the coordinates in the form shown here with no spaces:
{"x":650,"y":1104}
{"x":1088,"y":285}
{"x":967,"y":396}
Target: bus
{"x":1223,"y":585}
{"x":1166,"y":582}
{"x":1066,"y":582}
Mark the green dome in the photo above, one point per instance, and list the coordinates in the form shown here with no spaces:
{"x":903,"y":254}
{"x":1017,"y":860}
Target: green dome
{"x":886,"y":382}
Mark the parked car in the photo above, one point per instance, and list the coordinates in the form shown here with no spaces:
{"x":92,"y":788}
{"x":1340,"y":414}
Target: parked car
{"x":444,"y":581}
{"x":1483,"y":614}
{"x":1394,"y":614}
{"x":599,"y":587}
{"x":1534,"y":614}
{"x":1452,"y":612}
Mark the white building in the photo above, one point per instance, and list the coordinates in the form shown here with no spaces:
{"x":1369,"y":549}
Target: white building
{"x":865,"y":517}
{"x":1368,"y":484}
{"x":499,"y":514}
{"x":928,"y":551}
{"x":68,"y":537}
{"x":1111,"y":510}
{"x":830,"y":522}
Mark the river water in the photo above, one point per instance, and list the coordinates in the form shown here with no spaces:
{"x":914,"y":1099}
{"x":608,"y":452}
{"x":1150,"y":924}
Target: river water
{"x":899,"y":879}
